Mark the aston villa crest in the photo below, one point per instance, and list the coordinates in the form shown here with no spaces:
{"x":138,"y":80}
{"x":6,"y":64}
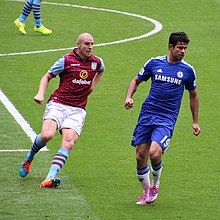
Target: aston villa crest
{"x":93,"y":65}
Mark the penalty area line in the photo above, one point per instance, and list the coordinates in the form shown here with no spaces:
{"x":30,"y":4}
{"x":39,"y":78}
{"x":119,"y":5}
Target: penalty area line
{"x":20,"y":120}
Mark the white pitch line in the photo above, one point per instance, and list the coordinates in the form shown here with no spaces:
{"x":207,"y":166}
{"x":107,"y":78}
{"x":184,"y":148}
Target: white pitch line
{"x":19,"y":119}
{"x":158,"y":28}
{"x":19,"y":150}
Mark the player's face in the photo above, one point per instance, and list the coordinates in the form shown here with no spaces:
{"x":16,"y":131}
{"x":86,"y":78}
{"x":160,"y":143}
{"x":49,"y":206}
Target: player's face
{"x":85,"y":47}
{"x":177,"y":53}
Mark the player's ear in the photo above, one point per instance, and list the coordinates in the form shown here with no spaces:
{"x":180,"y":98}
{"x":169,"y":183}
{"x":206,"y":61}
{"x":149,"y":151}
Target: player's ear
{"x":170,"y":46}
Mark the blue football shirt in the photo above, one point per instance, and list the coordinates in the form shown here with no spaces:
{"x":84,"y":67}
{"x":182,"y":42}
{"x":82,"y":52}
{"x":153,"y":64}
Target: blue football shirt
{"x":167,"y":86}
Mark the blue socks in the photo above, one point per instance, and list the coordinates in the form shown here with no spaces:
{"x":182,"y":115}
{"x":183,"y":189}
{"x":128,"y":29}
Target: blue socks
{"x":58,"y":162}
{"x":37,"y":145}
{"x":26,"y":11}
{"x":36,"y":11}
{"x":30,"y":5}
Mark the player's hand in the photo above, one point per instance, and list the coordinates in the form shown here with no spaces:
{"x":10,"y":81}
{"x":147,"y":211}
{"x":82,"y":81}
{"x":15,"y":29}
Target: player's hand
{"x":196,"y":129}
{"x":129,"y":103}
{"x":39,"y":99}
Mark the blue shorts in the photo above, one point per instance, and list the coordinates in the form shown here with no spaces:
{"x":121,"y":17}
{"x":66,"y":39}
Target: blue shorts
{"x":145,"y":134}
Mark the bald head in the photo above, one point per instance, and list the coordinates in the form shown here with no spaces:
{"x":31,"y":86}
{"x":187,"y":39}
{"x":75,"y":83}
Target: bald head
{"x":84,"y":36}
{"x":85,"y":44}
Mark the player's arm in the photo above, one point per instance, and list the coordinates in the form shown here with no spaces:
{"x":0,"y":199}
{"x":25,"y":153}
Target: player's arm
{"x":39,"y":98}
{"x":96,"y":80}
{"x":194,"y":107}
{"x":55,"y":70}
{"x":130,"y":92}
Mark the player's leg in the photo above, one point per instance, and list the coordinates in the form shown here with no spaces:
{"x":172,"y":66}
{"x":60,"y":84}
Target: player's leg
{"x":156,"y":152}
{"x":156,"y":168}
{"x":19,"y":22}
{"x":48,"y":131}
{"x":26,"y":10}
{"x":143,"y":171}
{"x":70,"y":124}
{"x":37,"y":16}
{"x":160,"y":143}
{"x":69,"y":136}
{"x":156,"y":171}
{"x":141,"y":140}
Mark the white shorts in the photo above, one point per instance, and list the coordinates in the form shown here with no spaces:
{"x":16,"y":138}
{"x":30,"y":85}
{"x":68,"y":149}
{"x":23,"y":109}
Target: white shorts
{"x":65,"y":116}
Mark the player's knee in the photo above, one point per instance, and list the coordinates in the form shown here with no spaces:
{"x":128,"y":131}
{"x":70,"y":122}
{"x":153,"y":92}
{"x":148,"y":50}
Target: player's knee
{"x":45,"y":136}
{"x":155,"y":154}
{"x":140,"y":157}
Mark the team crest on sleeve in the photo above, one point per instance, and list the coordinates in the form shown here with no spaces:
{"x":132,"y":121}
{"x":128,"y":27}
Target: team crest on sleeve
{"x":194,"y":83}
{"x":179,"y":74}
{"x":93,"y":65}
{"x":141,"y":72}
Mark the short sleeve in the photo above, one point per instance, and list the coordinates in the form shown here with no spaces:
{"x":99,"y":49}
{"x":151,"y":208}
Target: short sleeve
{"x":57,"y":67}
{"x":191,"y":81}
{"x":145,"y":73}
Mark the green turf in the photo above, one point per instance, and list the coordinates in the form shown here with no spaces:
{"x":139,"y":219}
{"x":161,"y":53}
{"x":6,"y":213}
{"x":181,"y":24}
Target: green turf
{"x":99,"y":179}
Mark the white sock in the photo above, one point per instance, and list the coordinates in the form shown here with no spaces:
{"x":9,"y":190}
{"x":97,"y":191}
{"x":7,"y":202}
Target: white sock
{"x":156,"y":176}
{"x":144,"y":178}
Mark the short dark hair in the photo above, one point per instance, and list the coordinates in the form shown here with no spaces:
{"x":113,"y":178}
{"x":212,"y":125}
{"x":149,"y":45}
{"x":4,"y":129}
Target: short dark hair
{"x":176,"y":37}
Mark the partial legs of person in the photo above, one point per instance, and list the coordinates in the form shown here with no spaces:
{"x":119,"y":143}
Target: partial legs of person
{"x":20,"y":22}
{"x":69,"y":136}
{"x":48,"y":131}
{"x":30,"y":5}
{"x":152,"y":151}
{"x":155,"y":153}
{"x":143,"y":171}
{"x":37,"y":16}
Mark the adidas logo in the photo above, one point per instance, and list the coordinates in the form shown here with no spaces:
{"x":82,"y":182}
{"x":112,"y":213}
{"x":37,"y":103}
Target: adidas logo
{"x":160,"y":71}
